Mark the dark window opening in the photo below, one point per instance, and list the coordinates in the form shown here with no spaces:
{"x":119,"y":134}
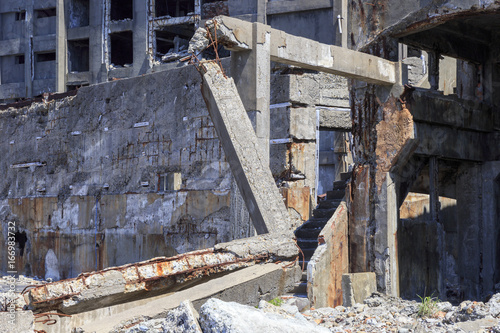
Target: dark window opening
{"x":21,"y":16}
{"x":41,"y":57}
{"x":49,"y":12}
{"x":19,"y":59}
{"x":78,"y":55}
{"x":173,"y":40}
{"x":71,"y":87}
{"x":21,"y":239}
{"x":122,"y":49}
{"x":79,"y":13}
{"x":121,"y":9}
{"x":174,"y":8}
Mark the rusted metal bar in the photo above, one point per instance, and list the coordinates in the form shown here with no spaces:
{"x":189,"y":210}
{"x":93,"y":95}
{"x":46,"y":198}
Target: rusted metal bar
{"x":111,"y":284}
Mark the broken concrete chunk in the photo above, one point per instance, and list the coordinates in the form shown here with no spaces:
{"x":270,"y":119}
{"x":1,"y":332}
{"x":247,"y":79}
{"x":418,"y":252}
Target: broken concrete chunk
{"x":199,"y":41}
{"x":278,"y":248}
{"x":182,"y":319}
{"x":218,"y":316}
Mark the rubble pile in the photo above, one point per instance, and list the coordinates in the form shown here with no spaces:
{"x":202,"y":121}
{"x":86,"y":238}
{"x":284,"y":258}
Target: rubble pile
{"x":379,"y":313}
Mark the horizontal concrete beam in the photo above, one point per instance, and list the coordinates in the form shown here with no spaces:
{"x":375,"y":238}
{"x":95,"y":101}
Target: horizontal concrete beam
{"x":306,"y":53}
{"x":453,"y":143}
{"x":335,"y":119}
{"x":435,"y":108}
{"x":116,"y":285}
{"x":282,"y":7}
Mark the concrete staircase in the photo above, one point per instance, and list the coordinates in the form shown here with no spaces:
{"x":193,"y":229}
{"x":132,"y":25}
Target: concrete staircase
{"x":307,"y":233}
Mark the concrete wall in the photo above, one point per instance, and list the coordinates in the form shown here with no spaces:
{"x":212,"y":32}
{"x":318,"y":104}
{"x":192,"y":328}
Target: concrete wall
{"x":94,"y":198}
{"x":329,"y":262}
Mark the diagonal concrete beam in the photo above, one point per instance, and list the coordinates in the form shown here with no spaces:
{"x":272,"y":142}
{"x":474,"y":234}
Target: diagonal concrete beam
{"x":236,"y":35}
{"x":240,"y":143}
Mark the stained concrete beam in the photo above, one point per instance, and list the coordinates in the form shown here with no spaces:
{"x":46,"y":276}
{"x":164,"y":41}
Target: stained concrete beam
{"x":288,"y":49}
{"x":246,"y":286}
{"x":251,"y":171}
{"x":335,"y":119}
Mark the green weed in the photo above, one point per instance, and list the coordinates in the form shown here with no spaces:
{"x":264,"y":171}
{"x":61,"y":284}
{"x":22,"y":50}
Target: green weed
{"x":428,"y":307}
{"x":276,"y":301}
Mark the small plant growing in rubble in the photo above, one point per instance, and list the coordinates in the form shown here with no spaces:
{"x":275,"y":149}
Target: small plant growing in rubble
{"x":276,"y":301}
{"x":428,"y":306}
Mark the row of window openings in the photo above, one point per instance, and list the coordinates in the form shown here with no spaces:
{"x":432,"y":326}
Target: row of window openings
{"x":120,"y":10}
{"x":40,"y":13}
{"x":78,"y":53}
{"x":40,"y":57}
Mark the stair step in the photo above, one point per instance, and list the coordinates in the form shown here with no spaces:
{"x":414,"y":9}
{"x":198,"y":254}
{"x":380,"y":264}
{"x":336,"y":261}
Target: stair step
{"x":323,"y":212}
{"x":308,"y":233}
{"x":329,"y":204}
{"x":345,"y":175}
{"x":300,"y":288}
{"x":335,"y":194}
{"x":305,"y":263}
{"x":308,"y":253}
{"x":306,"y":244}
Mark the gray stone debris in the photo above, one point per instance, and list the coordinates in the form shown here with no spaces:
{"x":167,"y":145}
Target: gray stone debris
{"x":182,"y":319}
{"x":217,"y":316}
{"x":381,"y":313}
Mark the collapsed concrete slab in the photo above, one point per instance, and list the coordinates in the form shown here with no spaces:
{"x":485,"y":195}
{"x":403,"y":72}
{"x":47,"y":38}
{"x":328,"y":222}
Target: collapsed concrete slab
{"x":252,"y":173}
{"x":248,"y":286}
{"x":148,"y":278}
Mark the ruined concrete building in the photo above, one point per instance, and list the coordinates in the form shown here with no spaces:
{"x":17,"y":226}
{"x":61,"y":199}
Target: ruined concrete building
{"x":397,"y":102}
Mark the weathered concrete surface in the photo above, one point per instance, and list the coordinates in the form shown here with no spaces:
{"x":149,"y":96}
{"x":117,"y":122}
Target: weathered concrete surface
{"x":335,"y":119}
{"x":329,"y":262}
{"x":240,"y":143}
{"x":182,"y":319}
{"x":218,"y":316}
{"x":120,"y":284}
{"x":17,"y":322}
{"x":248,"y":286}
{"x":306,"y":53}
{"x":274,"y":246}
{"x":87,"y":201}
{"x":357,"y":286}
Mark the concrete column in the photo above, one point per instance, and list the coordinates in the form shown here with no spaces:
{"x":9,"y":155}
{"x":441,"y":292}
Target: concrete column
{"x":61,"y":47}
{"x":434,"y":70}
{"x":262,"y":11}
{"x":385,"y":245}
{"x":490,"y":246}
{"x":141,"y":61}
{"x":435,"y":207}
{"x":251,"y":71}
{"x":29,"y":61}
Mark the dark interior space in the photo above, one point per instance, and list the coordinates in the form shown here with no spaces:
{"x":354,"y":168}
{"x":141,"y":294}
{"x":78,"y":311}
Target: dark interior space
{"x":122,"y":48}
{"x":41,"y":13}
{"x":21,"y":239}
{"x":21,"y":16}
{"x":122,"y":10}
{"x":41,"y":57}
{"x":79,"y":13}
{"x":174,"y":39}
{"x":78,"y":55}
{"x":19,"y":59}
{"x":174,"y":8}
